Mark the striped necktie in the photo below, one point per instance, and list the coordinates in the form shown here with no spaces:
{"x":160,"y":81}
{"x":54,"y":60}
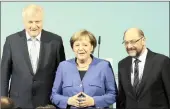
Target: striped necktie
{"x":136,"y":75}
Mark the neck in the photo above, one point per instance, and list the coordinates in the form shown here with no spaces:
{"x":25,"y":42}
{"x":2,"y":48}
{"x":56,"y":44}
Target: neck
{"x":84,"y":63}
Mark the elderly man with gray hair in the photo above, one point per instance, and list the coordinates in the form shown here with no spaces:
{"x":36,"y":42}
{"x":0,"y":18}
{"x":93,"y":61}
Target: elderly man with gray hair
{"x":30,"y":59}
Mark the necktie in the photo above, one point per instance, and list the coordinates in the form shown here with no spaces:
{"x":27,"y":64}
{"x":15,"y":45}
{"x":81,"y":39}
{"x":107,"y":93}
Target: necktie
{"x":136,"y":75}
{"x":34,"y":55}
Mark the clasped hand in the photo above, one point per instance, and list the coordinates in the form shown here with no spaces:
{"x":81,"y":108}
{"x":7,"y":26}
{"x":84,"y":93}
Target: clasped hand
{"x":81,"y":100}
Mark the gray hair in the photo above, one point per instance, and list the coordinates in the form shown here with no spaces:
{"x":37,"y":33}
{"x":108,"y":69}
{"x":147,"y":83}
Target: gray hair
{"x":32,"y":10}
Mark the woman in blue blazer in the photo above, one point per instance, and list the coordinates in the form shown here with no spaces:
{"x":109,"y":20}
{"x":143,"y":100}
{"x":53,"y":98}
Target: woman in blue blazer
{"x":84,"y":81}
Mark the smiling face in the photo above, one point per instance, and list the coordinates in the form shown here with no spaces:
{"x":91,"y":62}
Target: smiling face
{"x":134,"y":42}
{"x":83,"y":48}
{"x":83,"y":44}
{"x":33,"y":20}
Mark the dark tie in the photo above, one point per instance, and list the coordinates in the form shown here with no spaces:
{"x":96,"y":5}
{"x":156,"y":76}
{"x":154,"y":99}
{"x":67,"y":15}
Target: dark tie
{"x":136,"y":75}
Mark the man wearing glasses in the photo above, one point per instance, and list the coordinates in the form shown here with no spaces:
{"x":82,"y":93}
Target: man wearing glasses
{"x":144,"y":76}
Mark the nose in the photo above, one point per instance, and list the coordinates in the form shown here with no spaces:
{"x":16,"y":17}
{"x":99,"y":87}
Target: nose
{"x":129,"y":45}
{"x":34,"y":25}
{"x":80,"y":47}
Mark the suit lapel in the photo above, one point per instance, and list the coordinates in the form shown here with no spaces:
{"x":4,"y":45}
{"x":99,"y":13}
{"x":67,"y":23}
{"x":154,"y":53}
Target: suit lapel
{"x":75,"y":73}
{"x":128,"y":74}
{"x":87,"y":75}
{"x":24,"y":49}
{"x":42,"y":50}
{"x":146,"y":74}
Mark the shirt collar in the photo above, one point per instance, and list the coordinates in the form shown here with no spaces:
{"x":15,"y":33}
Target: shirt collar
{"x":37,"y":37}
{"x":142,"y":57}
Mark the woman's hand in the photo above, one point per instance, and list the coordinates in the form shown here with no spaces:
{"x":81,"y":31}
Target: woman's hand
{"x":86,"y":101}
{"x":74,"y":100}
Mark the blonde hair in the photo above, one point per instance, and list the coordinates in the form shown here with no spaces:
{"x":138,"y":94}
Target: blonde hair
{"x":32,"y":10}
{"x":81,"y":35}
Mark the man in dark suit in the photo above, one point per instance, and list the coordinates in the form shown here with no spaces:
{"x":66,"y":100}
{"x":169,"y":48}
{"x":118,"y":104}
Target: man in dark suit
{"x":144,"y":76}
{"x":30,"y":58}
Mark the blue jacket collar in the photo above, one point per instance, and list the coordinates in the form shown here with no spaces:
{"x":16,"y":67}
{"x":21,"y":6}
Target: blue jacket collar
{"x":94,"y":60}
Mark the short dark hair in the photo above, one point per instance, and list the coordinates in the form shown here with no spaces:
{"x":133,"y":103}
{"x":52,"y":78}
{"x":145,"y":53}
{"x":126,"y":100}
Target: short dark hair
{"x":7,"y":103}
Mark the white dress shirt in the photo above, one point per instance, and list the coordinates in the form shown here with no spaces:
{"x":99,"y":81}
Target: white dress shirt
{"x":37,"y":43}
{"x":141,"y":65}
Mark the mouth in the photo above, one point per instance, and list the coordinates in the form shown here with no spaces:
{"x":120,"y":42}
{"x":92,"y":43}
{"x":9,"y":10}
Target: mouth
{"x":81,"y":53}
{"x":131,"y":50}
{"x":33,"y":30}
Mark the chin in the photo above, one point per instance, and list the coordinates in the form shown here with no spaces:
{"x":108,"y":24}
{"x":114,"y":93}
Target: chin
{"x":132,"y":54}
{"x":34,"y":34}
{"x":80,"y":58}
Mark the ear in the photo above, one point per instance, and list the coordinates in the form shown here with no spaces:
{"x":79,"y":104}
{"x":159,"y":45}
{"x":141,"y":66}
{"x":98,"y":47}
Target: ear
{"x":144,"y":41}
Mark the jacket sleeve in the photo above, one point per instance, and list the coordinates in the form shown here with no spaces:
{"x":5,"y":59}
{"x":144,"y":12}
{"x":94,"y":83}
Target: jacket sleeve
{"x":6,"y":68}
{"x":110,"y":89}
{"x":61,"y":53}
{"x":166,"y":77}
{"x":120,"y":103}
{"x":56,"y":97}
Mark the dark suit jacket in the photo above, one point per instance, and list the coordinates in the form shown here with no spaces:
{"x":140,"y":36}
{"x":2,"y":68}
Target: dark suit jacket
{"x":154,"y":89}
{"x":26,"y":89}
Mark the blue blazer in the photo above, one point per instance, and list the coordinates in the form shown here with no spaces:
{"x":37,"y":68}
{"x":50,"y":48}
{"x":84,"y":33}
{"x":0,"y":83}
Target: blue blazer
{"x":98,"y":82}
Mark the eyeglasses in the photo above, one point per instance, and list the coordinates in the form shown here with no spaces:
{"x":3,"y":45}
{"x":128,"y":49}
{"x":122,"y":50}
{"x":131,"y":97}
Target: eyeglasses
{"x":132,"y":42}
